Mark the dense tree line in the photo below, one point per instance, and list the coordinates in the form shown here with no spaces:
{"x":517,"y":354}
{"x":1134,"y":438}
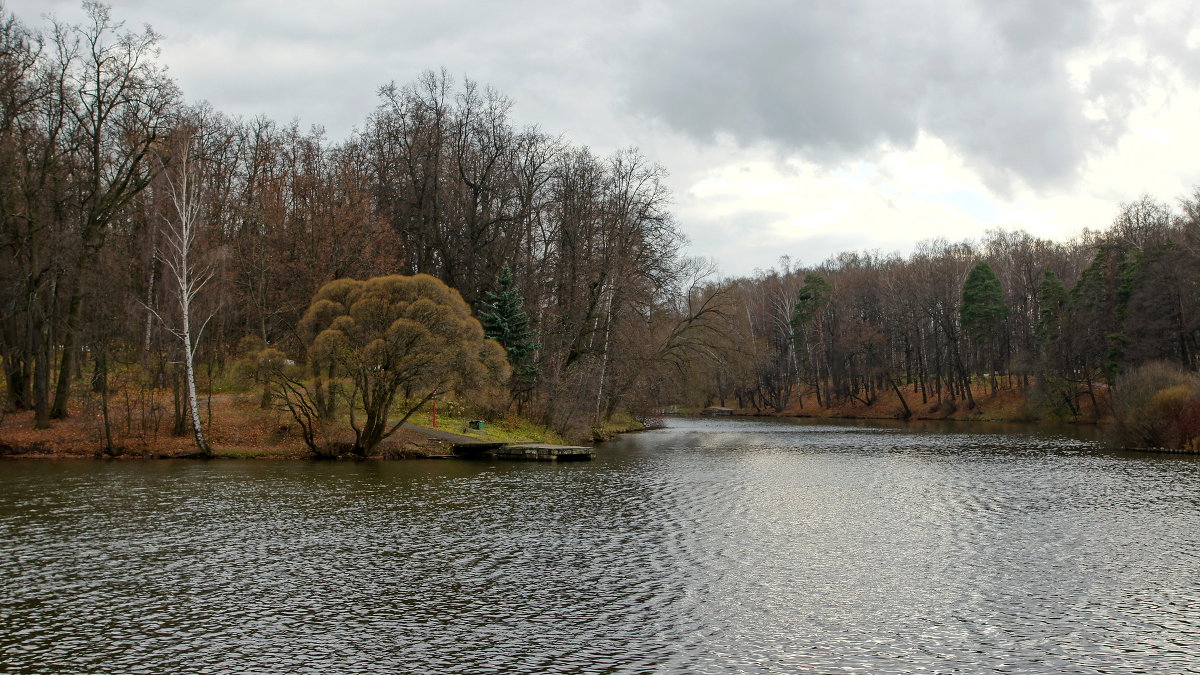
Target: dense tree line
{"x":954,"y":320}
{"x":571,"y":259}
{"x":438,"y":181}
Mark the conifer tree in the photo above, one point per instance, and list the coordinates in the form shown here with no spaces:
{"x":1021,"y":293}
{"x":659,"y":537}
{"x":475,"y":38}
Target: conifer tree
{"x":1055,"y":386}
{"x":1053,"y":303}
{"x":808,"y":326}
{"x":505,"y":321}
{"x":983,"y":313}
{"x":983,"y":309}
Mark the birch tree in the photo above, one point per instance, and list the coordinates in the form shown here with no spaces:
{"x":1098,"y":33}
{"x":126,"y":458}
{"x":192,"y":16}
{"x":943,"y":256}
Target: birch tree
{"x":180,"y":256}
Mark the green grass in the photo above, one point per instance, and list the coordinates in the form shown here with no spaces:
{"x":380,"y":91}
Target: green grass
{"x":617,"y":425}
{"x":506,"y":429}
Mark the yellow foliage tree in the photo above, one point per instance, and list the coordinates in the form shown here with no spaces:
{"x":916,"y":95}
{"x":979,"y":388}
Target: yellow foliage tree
{"x":398,"y":340}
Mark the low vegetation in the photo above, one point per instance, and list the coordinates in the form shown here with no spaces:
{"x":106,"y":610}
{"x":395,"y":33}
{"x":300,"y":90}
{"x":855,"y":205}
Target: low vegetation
{"x":507,"y":428}
{"x":1157,"y":405}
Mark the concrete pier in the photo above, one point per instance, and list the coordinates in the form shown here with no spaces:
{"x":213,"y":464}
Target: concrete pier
{"x":467,"y":447}
{"x":544,"y":452}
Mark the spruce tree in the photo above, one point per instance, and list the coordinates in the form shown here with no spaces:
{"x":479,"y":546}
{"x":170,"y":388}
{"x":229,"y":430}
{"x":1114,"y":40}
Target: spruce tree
{"x":1053,"y":304}
{"x":983,"y":309}
{"x":504,"y":320}
{"x":1055,"y":387}
{"x":983,"y":313}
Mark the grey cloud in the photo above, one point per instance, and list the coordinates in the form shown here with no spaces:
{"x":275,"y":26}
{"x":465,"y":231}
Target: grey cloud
{"x":542,"y":54}
{"x":1117,"y":86}
{"x":828,"y":81}
{"x":1164,"y":31}
{"x":835,"y":80}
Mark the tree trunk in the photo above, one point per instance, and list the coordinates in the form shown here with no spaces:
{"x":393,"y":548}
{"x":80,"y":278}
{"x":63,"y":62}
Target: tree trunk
{"x":179,"y":401}
{"x":100,"y":384}
{"x":18,"y":380}
{"x":190,"y":372}
{"x":62,"y":392}
{"x":41,"y":387}
{"x":900,"y":395}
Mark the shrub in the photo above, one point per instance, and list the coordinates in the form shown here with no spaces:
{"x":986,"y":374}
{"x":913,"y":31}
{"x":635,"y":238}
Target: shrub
{"x":1156,"y":405}
{"x":1054,"y":397}
{"x":1187,"y":424}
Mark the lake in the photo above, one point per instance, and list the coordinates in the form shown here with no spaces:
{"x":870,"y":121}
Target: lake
{"x":711,"y":546}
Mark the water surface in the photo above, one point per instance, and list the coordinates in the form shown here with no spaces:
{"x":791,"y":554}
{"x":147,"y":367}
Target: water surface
{"x":716,"y":546}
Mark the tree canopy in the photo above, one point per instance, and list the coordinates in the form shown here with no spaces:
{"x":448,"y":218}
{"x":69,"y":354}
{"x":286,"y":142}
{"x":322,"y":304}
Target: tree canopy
{"x":982,"y":301}
{"x":399,"y":339}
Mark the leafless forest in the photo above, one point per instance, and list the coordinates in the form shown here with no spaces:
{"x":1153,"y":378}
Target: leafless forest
{"x":95,"y":138}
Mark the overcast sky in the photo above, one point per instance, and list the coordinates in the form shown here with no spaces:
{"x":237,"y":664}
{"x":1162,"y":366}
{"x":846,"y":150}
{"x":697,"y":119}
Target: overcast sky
{"x":788,"y":128}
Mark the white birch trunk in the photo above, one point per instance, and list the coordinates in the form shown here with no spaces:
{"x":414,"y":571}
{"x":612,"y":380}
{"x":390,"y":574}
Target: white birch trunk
{"x":604,"y":356}
{"x":180,"y":238}
{"x":185,"y":306}
{"x":149,"y":303}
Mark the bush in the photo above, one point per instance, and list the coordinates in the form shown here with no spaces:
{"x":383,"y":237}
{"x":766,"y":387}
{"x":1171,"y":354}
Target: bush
{"x":1054,"y":397}
{"x":1187,"y":424}
{"x":1157,"y":405}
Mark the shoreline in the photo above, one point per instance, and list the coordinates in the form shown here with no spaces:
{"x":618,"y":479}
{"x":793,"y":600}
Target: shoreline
{"x":915,"y":418}
{"x":241,"y":430}
{"x":1005,"y":405}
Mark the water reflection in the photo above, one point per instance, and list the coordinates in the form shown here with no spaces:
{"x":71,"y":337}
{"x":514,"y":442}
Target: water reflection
{"x":710,"y":546}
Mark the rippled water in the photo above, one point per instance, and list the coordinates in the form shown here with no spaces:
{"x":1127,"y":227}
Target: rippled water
{"x":711,"y":546}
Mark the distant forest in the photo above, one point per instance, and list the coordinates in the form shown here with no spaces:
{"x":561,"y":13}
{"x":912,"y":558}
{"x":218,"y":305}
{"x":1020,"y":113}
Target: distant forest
{"x":440,"y":180}
{"x":954,"y":320}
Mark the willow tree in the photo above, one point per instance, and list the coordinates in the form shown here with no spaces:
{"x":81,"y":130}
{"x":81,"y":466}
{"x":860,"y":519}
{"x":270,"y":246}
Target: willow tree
{"x":398,"y":340}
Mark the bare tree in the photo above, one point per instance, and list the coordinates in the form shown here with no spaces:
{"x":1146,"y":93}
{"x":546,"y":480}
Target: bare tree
{"x":179,"y":254}
{"x":116,"y":103}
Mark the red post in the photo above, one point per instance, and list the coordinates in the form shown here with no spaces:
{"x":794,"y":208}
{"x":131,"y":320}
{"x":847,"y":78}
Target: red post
{"x":435,"y":408}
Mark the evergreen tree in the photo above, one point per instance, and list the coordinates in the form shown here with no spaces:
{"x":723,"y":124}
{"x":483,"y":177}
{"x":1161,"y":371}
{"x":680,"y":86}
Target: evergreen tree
{"x":1056,"y":389}
{"x":983,"y":310}
{"x":983,"y":313}
{"x":504,"y":320}
{"x":1099,"y":341}
{"x":807,"y":327}
{"x":814,"y":295}
{"x":1053,"y":303}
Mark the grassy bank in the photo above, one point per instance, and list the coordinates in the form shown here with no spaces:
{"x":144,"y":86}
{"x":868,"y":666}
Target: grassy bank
{"x":237,"y":428}
{"x":612,"y":428}
{"x":508,"y":428}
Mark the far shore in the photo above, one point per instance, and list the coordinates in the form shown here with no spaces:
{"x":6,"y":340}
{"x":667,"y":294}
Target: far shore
{"x":1006,"y":405}
{"x":241,"y":429}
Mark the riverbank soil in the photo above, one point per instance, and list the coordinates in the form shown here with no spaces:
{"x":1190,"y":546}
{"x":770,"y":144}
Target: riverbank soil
{"x":1006,"y":405}
{"x":238,"y":428}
